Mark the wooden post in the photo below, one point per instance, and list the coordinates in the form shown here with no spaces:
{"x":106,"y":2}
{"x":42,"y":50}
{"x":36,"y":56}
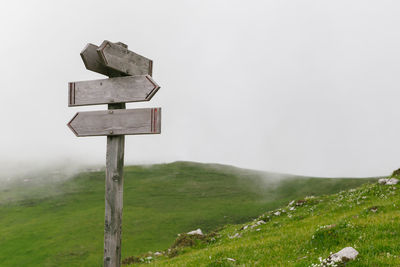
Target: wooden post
{"x":114,"y":197}
{"x":114,"y":194}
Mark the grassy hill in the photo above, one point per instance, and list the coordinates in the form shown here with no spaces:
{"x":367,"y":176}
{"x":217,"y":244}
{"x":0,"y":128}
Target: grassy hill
{"x":46,"y":222}
{"x":300,"y":233}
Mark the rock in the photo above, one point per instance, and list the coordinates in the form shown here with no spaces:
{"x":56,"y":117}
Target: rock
{"x":277,"y":213}
{"x":391,"y":181}
{"x":374,"y":209}
{"x":344,"y":255}
{"x":237,"y":235}
{"x":300,"y":202}
{"x":157,"y":254}
{"x":330,"y":226}
{"x":258,"y":223}
{"x":195,"y":232}
{"x":230,"y":259}
{"x":382,"y":181}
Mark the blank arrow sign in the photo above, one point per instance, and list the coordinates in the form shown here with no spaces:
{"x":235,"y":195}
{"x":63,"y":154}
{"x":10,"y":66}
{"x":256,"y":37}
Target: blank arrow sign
{"x":119,"y":58}
{"x":93,"y":62}
{"x":117,"y":122}
{"x":113,"y":90}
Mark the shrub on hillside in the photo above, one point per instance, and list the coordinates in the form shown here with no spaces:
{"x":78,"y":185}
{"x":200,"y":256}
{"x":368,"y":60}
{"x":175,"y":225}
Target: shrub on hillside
{"x":396,"y":174}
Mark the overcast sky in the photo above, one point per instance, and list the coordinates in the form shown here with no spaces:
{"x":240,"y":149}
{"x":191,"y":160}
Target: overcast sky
{"x":302,"y":87}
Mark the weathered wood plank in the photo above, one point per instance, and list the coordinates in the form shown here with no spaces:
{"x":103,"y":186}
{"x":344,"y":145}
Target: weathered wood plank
{"x":123,"y":60}
{"x":114,"y":197}
{"x":117,"y":122}
{"x":113,"y":90}
{"x":93,"y":62}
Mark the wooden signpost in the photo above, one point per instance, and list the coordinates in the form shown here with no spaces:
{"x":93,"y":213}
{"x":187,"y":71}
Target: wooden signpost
{"x":129,"y":81}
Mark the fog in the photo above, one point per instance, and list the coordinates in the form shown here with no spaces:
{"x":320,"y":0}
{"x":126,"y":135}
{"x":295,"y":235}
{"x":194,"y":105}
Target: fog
{"x":41,"y":171}
{"x":301,"y":87}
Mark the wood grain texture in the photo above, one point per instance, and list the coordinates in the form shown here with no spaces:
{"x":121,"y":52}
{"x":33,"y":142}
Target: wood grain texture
{"x":113,"y":90}
{"x":93,"y":62}
{"x":117,"y":122}
{"x":121,"y":59}
{"x":114,"y":196}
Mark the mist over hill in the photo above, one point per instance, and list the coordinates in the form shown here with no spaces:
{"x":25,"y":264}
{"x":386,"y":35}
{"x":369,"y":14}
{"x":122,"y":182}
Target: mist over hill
{"x":60,"y":219}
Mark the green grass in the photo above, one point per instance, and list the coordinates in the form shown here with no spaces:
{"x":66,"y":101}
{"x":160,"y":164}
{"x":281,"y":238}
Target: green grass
{"x":60,"y":223}
{"x":367,"y":218}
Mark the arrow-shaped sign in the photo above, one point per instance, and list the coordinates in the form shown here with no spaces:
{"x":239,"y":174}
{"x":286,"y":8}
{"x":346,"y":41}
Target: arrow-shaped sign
{"x":117,"y":122}
{"x":93,"y":62}
{"x":119,"y":58}
{"x":113,"y":90}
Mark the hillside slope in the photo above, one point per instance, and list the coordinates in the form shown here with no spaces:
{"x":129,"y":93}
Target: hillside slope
{"x":60,"y":223}
{"x":366,"y":218}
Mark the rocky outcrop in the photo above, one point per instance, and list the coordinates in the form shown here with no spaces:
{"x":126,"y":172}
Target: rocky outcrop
{"x":389,"y":181}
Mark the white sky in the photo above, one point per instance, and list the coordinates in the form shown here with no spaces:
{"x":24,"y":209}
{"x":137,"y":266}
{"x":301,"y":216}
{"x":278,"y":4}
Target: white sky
{"x":303,"y":87}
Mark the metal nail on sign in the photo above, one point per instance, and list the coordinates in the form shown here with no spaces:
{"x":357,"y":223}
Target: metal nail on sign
{"x":129,"y":81}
